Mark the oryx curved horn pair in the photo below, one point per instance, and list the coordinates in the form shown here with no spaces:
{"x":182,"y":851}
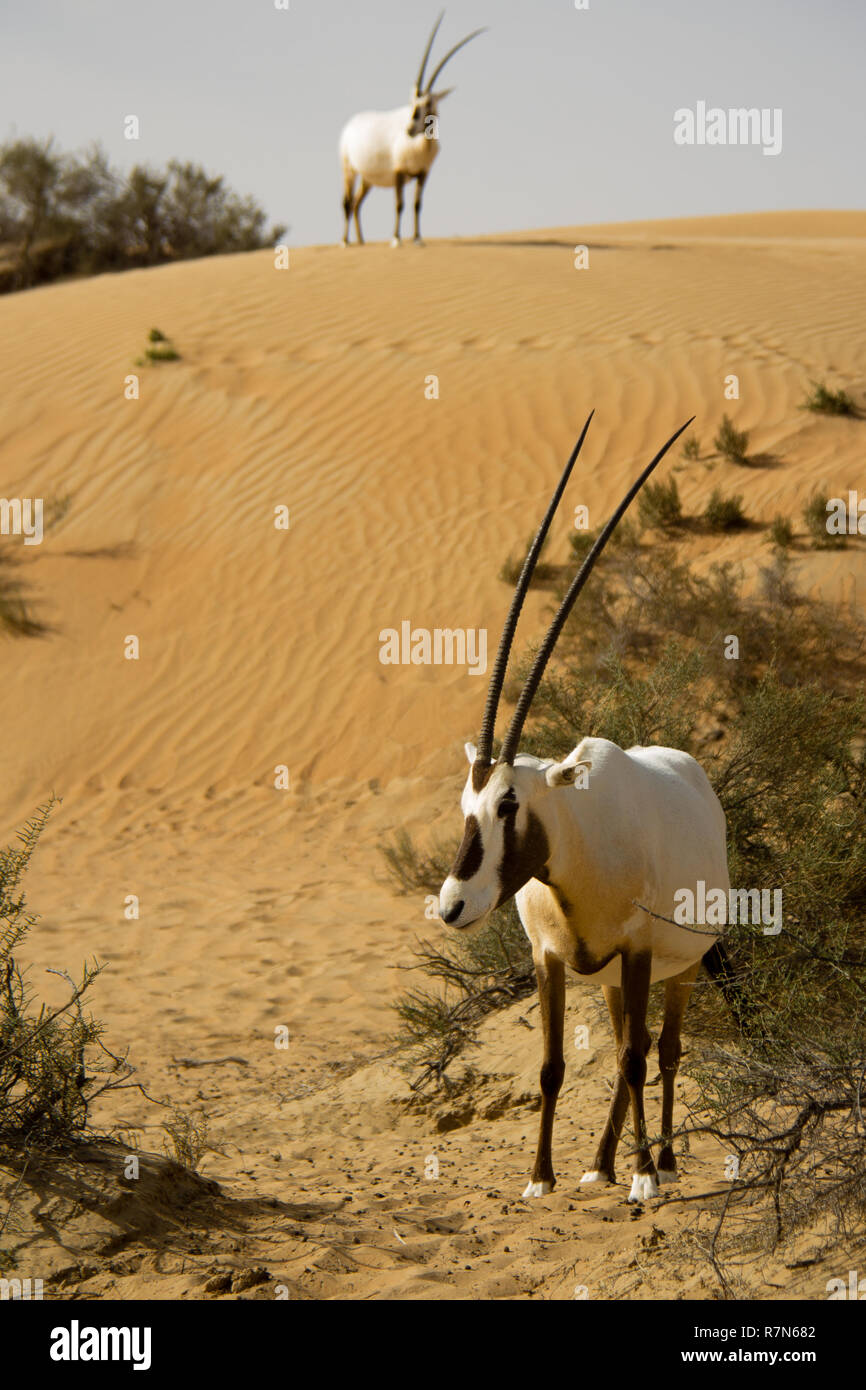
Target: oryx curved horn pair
{"x":581,"y":842}
{"x":385,"y":149}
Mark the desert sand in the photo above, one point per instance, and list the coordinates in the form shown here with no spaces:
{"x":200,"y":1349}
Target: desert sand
{"x":259,"y":647}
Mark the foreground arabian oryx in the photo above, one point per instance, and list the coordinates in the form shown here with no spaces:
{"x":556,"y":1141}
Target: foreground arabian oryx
{"x":385,"y":149}
{"x":581,"y":843}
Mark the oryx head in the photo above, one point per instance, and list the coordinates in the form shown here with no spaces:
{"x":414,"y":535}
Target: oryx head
{"x":424,"y":109}
{"x":506,"y":802}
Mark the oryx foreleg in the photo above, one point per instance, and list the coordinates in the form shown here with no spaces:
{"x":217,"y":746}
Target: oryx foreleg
{"x":550,"y":974}
{"x":399,"y":181}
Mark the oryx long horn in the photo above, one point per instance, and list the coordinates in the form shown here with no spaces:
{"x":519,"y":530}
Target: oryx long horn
{"x":485,"y":738}
{"x":512,"y":738}
{"x":419,"y":84}
{"x":455,"y":49}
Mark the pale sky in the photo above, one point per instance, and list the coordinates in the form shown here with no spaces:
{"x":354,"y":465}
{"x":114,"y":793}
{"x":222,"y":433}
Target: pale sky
{"x":561,"y":116}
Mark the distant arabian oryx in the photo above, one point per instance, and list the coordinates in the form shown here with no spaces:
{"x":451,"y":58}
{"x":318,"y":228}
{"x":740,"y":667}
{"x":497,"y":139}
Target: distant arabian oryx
{"x":387,"y":148}
{"x":586,"y":845}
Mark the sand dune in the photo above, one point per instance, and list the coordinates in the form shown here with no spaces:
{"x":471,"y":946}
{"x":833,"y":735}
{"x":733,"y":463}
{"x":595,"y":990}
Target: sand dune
{"x":260,"y":647}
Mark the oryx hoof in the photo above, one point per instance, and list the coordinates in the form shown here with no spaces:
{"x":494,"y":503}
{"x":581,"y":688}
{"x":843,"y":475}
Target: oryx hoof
{"x":643,"y":1186}
{"x":668,"y":1175}
{"x":595,"y":1175}
{"x":537,"y":1189}
{"x":395,"y":241}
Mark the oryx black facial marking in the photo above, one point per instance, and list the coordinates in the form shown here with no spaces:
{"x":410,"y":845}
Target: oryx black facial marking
{"x":524,"y":856}
{"x":471,"y":851}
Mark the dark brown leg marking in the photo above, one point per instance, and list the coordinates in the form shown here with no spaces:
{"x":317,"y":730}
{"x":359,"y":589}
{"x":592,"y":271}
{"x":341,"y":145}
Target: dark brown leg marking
{"x":398,"y":188}
{"x":677,"y":993}
{"x":362,"y":193}
{"x":348,"y":200}
{"x":636,"y":971}
{"x":419,"y":191}
{"x":550,"y":974}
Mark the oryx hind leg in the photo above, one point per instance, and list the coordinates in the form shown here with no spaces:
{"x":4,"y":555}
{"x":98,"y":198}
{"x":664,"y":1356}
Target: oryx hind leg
{"x":349,"y":177}
{"x":678,"y":991}
{"x":603,"y":1169}
{"x":636,"y":972}
{"x":362,"y":193}
{"x":550,"y":973}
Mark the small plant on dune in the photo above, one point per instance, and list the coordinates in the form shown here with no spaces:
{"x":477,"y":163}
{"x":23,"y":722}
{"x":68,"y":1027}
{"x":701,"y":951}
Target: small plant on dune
{"x":731,"y":443}
{"x":781,"y":532}
{"x":823,"y":401}
{"x":188,"y":1138}
{"x":159,"y":349}
{"x":815,"y":515}
{"x":659,"y":505}
{"x":725,"y":513}
{"x":692,"y":448}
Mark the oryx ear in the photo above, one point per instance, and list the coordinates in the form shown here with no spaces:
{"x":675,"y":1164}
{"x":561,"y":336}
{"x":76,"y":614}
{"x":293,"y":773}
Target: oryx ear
{"x":574,"y":768}
{"x":446,"y":92}
{"x":471,"y":751}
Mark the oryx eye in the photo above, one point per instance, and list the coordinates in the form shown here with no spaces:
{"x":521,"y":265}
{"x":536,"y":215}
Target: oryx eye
{"x":506,"y":808}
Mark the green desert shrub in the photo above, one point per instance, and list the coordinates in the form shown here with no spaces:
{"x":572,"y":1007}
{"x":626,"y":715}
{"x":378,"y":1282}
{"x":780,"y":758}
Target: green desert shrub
{"x":725,"y":513}
{"x":815,"y":515}
{"x":824,"y":401}
{"x":781,"y":532}
{"x":659,"y":505}
{"x":731,"y":443}
{"x":159,"y":349}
